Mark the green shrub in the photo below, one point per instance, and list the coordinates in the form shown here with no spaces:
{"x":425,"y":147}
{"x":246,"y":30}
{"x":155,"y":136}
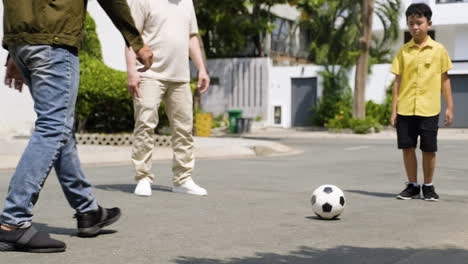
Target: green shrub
{"x":358,"y":126}
{"x":336,"y":99}
{"x":365,"y":126}
{"x":381,"y":112}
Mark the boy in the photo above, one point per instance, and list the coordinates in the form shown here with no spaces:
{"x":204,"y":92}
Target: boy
{"x":170,"y":29}
{"x":421,"y":74}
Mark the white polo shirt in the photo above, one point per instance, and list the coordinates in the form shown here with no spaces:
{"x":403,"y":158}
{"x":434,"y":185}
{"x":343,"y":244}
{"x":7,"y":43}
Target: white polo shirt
{"x":166,"y":27}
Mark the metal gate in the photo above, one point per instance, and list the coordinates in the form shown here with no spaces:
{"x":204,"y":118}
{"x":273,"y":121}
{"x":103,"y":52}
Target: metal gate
{"x":303,"y":99}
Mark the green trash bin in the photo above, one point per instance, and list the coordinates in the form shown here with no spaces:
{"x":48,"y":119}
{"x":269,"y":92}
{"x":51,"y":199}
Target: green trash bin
{"x":233,"y":116}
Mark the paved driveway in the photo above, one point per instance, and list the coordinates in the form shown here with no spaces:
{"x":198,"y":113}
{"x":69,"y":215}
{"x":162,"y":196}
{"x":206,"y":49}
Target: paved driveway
{"x":258,"y":211}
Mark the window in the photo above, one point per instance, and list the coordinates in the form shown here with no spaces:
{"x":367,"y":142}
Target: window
{"x":450,"y":1}
{"x":277,"y":115}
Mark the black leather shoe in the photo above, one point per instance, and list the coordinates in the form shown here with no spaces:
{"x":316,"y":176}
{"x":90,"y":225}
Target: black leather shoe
{"x":90,"y":224}
{"x":29,"y":240}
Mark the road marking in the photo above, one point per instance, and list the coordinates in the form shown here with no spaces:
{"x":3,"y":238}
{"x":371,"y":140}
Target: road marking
{"x":358,"y":148}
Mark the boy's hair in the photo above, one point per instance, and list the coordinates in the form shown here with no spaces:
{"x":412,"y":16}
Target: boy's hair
{"x":420,"y":9}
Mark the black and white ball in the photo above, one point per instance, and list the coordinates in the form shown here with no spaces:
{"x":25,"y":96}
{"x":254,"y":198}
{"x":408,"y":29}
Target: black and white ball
{"x":328,"y":201}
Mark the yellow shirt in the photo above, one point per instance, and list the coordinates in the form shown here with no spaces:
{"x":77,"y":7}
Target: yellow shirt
{"x":421,"y":72}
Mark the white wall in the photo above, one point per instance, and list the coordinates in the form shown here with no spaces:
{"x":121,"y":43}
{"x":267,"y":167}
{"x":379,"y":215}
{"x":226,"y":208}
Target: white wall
{"x":460,"y":51}
{"x":16,"y":109}
{"x":459,"y":68}
{"x":378,"y":82}
{"x":280,"y":89}
{"x":112,"y":42}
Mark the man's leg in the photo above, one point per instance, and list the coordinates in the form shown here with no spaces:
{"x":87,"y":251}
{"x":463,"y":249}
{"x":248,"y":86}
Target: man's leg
{"x":179,"y":108}
{"x":51,"y":91}
{"x":146,"y":120}
{"x":74,"y":184}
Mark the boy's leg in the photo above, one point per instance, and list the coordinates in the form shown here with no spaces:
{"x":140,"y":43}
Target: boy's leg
{"x":146,"y":120}
{"x":411,"y":164}
{"x":428,"y":131}
{"x":429,"y":162}
{"x":407,"y":134}
{"x":179,"y":108}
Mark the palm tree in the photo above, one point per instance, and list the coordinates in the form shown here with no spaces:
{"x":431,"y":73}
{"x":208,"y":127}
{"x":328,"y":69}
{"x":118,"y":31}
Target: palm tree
{"x":342,"y":37}
{"x":387,"y":12}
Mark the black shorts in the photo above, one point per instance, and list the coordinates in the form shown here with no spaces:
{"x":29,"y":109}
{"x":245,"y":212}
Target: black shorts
{"x":410,"y":127}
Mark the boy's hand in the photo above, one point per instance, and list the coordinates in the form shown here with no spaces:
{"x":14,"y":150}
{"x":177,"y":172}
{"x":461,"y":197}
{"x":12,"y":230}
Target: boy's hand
{"x":448,"y":117}
{"x":393,"y":119}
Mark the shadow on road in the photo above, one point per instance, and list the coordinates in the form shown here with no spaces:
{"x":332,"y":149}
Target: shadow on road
{"x":66,"y":231}
{"x":376,"y":194}
{"x":344,"y":254}
{"x":129,"y":188}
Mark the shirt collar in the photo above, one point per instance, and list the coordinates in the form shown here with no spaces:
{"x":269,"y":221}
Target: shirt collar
{"x":429,"y":43}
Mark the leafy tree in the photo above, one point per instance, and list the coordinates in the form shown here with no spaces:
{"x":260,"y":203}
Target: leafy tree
{"x":233,"y":28}
{"x":335,"y":28}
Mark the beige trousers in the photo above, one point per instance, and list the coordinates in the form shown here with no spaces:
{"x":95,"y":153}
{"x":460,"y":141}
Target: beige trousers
{"x":177,"y":98}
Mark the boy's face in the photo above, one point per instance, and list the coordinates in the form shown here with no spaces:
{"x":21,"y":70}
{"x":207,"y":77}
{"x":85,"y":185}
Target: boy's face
{"x":418,"y":26}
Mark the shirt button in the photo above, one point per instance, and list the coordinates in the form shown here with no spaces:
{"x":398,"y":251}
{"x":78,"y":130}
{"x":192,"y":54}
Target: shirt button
{"x":56,"y":38}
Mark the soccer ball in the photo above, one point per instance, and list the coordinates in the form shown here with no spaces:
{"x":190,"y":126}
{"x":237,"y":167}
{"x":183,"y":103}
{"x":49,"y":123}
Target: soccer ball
{"x":328,"y":201}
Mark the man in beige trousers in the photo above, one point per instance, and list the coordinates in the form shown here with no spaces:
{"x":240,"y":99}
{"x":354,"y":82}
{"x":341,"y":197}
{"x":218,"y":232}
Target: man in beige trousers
{"x":170,"y":28}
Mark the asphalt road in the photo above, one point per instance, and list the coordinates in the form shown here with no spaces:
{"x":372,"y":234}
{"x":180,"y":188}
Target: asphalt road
{"x":258,"y":211}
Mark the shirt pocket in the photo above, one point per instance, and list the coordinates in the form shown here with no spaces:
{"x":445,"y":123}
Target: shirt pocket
{"x":431,"y":65}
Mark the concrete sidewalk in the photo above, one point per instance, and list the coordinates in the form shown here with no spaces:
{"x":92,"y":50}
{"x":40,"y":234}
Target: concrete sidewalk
{"x":263,"y":142}
{"x":211,"y":147}
{"x":387,"y":133}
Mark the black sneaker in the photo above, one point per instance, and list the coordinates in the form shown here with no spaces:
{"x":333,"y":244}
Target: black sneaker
{"x":90,"y":224}
{"x":429,"y":193}
{"x":410,"y":192}
{"x":29,"y":240}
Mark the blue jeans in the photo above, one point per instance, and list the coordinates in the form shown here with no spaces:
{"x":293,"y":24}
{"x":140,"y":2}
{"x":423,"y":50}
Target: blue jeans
{"x":52,"y":74}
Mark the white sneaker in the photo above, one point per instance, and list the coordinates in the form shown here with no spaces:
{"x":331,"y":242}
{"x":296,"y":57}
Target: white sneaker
{"x":189,"y":187}
{"x":143,"y":187}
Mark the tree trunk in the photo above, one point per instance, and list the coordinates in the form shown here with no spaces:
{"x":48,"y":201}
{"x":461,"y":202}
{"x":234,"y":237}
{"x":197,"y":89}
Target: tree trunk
{"x":359,"y":106}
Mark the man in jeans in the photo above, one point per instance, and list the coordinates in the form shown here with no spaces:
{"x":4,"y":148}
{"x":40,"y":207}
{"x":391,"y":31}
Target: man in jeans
{"x":43,"y":38}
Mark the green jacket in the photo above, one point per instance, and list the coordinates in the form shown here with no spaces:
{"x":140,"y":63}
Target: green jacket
{"x":61,"y":22}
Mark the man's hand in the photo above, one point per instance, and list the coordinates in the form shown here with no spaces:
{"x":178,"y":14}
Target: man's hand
{"x":133,"y":84}
{"x":393,"y":119}
{"x":203,"y":81}
{"x":13,"y":75}
{"x":448,"y":117}
{"x":145,"y":57}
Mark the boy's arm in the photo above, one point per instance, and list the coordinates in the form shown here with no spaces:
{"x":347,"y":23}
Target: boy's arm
{"x":133,"y":79}
{"x":447,"y":91}
{"x":197,"y":59}
{"x":119,"y":12}
{"x":396,"y":90}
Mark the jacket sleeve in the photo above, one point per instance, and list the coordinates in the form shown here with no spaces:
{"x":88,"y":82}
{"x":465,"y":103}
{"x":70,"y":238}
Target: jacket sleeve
{"x":119,"y":12}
